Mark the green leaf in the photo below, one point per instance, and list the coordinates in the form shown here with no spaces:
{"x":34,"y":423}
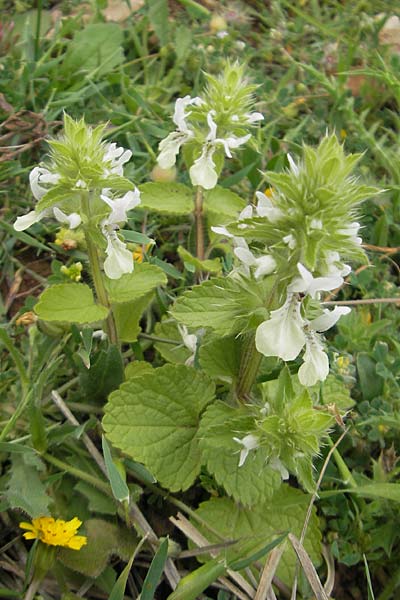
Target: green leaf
{"x":254,"y":481}
{"x":118,"y":485}
{"x":71,"y":303}
{"x":370,"y":382}
{"x":226,"y":305}
{"x":97,"y":500}
{"x":104,"y":539}
{"x":210,"y":265}
{"x":335,"y":392}
{"x":174,"y":353}
{"x":220,"y":357}
{"x":25,"y":489}
{"x":137,"y":367}
{"x":24,"y":237}
{"x":97,"y":47}
{"x":154,"y":419}
{"x":158,"y":17}
{"x":127,"y":317}
{"x":118,"y":591}
{"x":167,"y":198}
{"x":389,"y":491}
{"x":154,"y":573}
{"x":104,"y":375}
{"x":133,"y":286}
{"x":191,"y":586}
{"x":261,"y":524}
{"x":223,"y":204}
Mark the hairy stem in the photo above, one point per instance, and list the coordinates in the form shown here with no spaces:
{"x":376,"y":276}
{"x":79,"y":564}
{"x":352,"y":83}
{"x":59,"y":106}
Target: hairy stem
{"x":198,"y":214}
{"x":249,"y":366}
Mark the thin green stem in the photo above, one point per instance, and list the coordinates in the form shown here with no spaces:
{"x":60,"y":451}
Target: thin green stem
{"x":18,"y":412}
{"x":101,"y":485}
{"x":198,"y":215}
{"x":38,"y":24}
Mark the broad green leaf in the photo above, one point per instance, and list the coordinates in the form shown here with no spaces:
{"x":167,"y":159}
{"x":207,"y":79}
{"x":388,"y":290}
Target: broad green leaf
{"x":167,"y":198}
{"x":154,"y":419}
{"x":97,"y":47}
{"x":128,"y":315}
{"x":137,"y":367}
{"x":220,"y":357}
{"x":135,"y":285}
{"x":254,"y":481}
{"x":71,"y":303}
{"x":25,"y":489}
{"x":104,"y":539}
{"x":256,"y":526}
{"x":227,"y":305}
{"x":104,"y":375}
{"x":210,"y":265}
{"x":155,"y":571}
{"x":336,"y":392}
{"x":224,"y":204}
{"x":118,"y":486}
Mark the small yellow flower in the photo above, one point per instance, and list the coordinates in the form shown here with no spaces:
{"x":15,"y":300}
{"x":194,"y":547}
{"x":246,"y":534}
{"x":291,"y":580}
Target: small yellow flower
{"x":139,"y":252}
{"x":55,"y":532}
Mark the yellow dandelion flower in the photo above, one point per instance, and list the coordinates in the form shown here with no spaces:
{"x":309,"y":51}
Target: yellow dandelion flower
{"x":55,"y":532}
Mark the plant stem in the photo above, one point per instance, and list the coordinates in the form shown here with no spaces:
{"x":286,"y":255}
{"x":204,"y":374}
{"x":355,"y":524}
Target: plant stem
{"x":38,"y":23}
{"x":97,"y":276}
{"x":249,"y":366}
{"x":198,"y":214}
{"x":19,"y":410}
{"x":63,"y":466}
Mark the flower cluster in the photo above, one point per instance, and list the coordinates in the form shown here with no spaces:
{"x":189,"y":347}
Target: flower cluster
{"x":295,"y":233}
{"x":81,"y":186}
{"x":55,"y":532}
{"x":211,"y":126}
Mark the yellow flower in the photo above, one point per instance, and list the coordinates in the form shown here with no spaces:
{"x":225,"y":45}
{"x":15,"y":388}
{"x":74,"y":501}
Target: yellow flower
{"x":55,"y":532}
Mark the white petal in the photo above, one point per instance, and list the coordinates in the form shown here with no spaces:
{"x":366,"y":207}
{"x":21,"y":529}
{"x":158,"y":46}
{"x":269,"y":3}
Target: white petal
{"x":249,"y":442}
{"x":212,"y":125}
{"x":117,"y":156}
{"x":329,"y":318}
{"x":245,"y":256}
{"x":169,"y":148}
{"x":246,"y":213}
{"x":203,"y":172}
{"x":265,"y":208}
{"x":180,"y":114}
{"x":40,"y":175}
{"x":120,"y":206}
{"x":119,"y":259}
{"x":316,"y":364}
{"x":189,"y":339}
{"x":253,"y":117}
{"x":27,"y":220}
{"x":73,"y":220}
{"x":222,"y":231}
{"x":293,"y":167}
{"x":282,"y":335}
{"x":276,"y":464}
{"x":265,"y":265}
{"x":307,"y":284}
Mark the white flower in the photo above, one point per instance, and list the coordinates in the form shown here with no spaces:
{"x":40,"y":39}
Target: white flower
{"x":169,"y":148}
{"x":190,"y":342}
{"x":119,"y":259}
{"x":329,"y":318}
{"x":290,"y":240}
{"x":40,"y":175}
{"x":99,"y":334}
{"x":276,"y":464}
{"x":120,"y":206}
{"x":335,"y":266}
{"x":180,"y":114}
{"x":249,"y":442}
{"x":307,"y":284}
{"x":316,"y":364}
{"x":117,"y":156}
{"x":351,"y":231}
{"x":203,"y":172}
{"x":282,"y":334}
{"x":265,"y":208}
{"x":264,"y":264}
{"x":222,"y":34}
{"x":73,"y":220}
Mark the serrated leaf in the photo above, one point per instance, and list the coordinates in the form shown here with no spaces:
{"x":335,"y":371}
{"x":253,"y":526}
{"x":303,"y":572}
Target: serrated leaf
{"x":220,"y":357}
{"x":226,"y":305}
{"x":167,"y":198}
{"x":210,"y":265}
{"x":154,"y":419}
{"x":127,"y":317}
{"x":104,"y":539}
{"x":137,"y":367}
{"x":133,"y":286}
{"x":25,"y":489}
{"x":104,"y":376}
{"x":257,"y":526}
{"x":251,"y":483}
{"x":70,"y":303}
